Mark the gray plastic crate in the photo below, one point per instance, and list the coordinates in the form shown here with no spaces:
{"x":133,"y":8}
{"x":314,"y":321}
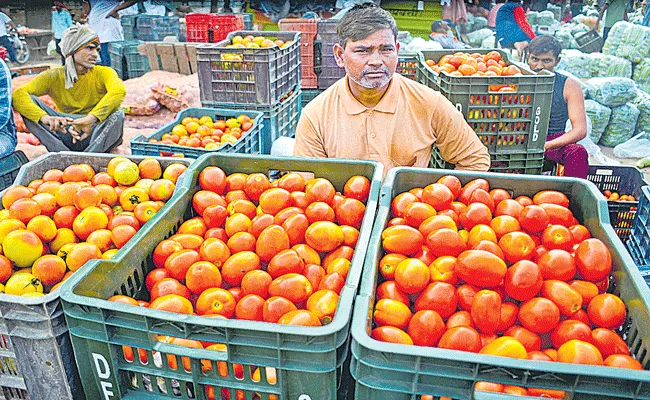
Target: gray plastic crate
{"x":248,"y":75}
{"x":126,"y":60}
{"x":36,"y":358}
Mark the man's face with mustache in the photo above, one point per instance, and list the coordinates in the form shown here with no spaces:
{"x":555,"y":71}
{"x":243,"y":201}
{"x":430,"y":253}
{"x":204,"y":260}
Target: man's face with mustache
{"x":371,"y":61}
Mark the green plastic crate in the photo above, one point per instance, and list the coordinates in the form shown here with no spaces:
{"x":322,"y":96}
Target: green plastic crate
{"x":249,"y":143}
{"x":509,"y":163}
{"x":506,"y":122}
{"x":389,"y":371}
{"x":639,"y":241}
{"x":35,"y":348}
{"x":409,"y":18}
{"x":307,"y":360}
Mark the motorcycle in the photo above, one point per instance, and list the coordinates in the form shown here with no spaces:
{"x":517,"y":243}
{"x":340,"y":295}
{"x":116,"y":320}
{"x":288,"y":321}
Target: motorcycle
{"x":18,"y":41}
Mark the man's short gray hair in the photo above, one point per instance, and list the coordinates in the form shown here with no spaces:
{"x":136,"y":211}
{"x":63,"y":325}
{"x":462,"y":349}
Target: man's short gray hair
{"x":363,"y":20}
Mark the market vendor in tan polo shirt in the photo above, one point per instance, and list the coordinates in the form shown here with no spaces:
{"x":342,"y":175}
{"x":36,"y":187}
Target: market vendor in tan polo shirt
{"x":375,"y":114}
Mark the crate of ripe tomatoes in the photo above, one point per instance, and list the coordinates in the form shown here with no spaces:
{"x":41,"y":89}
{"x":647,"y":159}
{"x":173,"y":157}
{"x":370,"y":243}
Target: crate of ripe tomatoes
{"x":64,"y":209}
{"x":242,"y":289}
{"x":198,"y":131}
{"x":621,"y":185}
{"x":480,"y":282}
{"x":506,"y":104}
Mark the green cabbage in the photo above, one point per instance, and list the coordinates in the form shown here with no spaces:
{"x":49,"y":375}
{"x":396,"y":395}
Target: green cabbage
{"x":599,"y":115}
{"x":642,"y":102}
{"x":621,"y":125}
{"x":642,"y":75}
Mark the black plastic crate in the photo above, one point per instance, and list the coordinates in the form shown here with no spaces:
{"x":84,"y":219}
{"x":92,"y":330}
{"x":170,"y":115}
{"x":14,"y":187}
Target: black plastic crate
{"x":9,"y":167}
{"x":625,"y":180}
{"x":510,"y":114}
{"x":279,"y":120}
{"x":509,"y":163}
{"x":330,"y":72}
{"x":639,"y":241}
{"x":590,"y":42}
{"x":248,"y":75}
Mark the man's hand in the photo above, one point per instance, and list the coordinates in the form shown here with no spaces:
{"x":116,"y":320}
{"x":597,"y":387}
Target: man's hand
{"x":82,"y":127}
{"x":56,"y":123}
{"x":113,"y":14}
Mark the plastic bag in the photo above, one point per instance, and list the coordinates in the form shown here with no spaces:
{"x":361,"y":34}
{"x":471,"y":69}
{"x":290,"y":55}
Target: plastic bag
{"x":621,"y":125}
{"x":612,"y":92}
{"x":477,"y":37}
{"x":419,"y":44}
{"x":489,"y":43}
{"x":51,"y":48}
{"x":139,"y":100}
{"x":532,"y":17}
{"x":546,"y":18}
{"x":636,"y":147}
{"x":599,"y":116}
{"x":628,"y":40}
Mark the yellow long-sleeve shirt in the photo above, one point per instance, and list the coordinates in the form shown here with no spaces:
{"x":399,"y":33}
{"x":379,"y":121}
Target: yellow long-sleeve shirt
{"x":98,"y":92}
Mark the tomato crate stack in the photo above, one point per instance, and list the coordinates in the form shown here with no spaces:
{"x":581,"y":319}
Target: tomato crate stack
{"x":278,"y":120}
{"x":308,"y":29}
{"x":278,"y":361}
{"x":510,"y":114}
{"x":212,"y":28}
{"x":624,"y":180}
{"x":37,"y":355}
{"x":392,"y":371}
{"x":248,"y":75}
{"x":639,"y":241}
{"x":407,"y":65}
{"x":9,"y":167}
{"x":248,"y":143}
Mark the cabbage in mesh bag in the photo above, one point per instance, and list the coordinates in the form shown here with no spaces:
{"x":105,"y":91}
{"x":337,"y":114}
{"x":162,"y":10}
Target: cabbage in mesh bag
{"x":476,"y":38}
{"x":612,"y":92}
{"x":614,"y":38}
{"x":579,"y":29}
{"x":635,"y":43}
{"x":613,"y":66}
{"x":641,"y":75}
{"x":575,"y":62}
{"x":599,"y":116}
{"x":546,"y":18}
{"x":642,"y":102}
{"x":565,"y":37}
{"x":621,"y":125}
{"x":532,"y":17}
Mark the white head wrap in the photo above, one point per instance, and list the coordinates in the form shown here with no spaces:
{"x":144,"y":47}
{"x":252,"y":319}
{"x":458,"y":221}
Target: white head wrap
{"x":74,"y":38}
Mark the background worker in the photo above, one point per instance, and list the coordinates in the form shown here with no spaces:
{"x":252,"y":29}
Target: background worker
{"x":88,"y":97}
{"x":375,"y":114}
{"x":7,"y":125}
{"x":4,"y":36}
{"x":512,"y":27}
{"x":61,"y":20}
{"x":616,"y":11}
{"x":441,"y":33}
{"x":568,"y":104}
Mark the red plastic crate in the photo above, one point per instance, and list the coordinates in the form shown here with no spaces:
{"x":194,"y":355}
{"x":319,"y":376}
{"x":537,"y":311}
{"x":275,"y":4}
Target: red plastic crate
{"x":308,"y":29}
{"x":199,"y":25}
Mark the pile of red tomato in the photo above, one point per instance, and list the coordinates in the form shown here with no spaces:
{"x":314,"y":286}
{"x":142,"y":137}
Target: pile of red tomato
{"x":257,"y":250}
{"x":470,"y":268}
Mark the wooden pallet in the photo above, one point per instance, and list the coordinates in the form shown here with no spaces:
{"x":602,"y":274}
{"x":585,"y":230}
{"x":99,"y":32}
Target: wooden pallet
{"x":30,"y":69}
{"x":171,"y":57}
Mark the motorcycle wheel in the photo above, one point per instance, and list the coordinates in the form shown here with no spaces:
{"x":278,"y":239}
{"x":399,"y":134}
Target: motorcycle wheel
{"x":22,"y":54}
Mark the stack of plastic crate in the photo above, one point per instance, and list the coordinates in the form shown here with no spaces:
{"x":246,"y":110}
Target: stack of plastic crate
{"x":308,"y":29}
{"x":126,"y":60}
{"x":255,"y":79}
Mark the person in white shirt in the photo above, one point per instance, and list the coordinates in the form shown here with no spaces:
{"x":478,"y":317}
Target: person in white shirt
{"x":102,"y":20}
{"x":4,"y":37}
